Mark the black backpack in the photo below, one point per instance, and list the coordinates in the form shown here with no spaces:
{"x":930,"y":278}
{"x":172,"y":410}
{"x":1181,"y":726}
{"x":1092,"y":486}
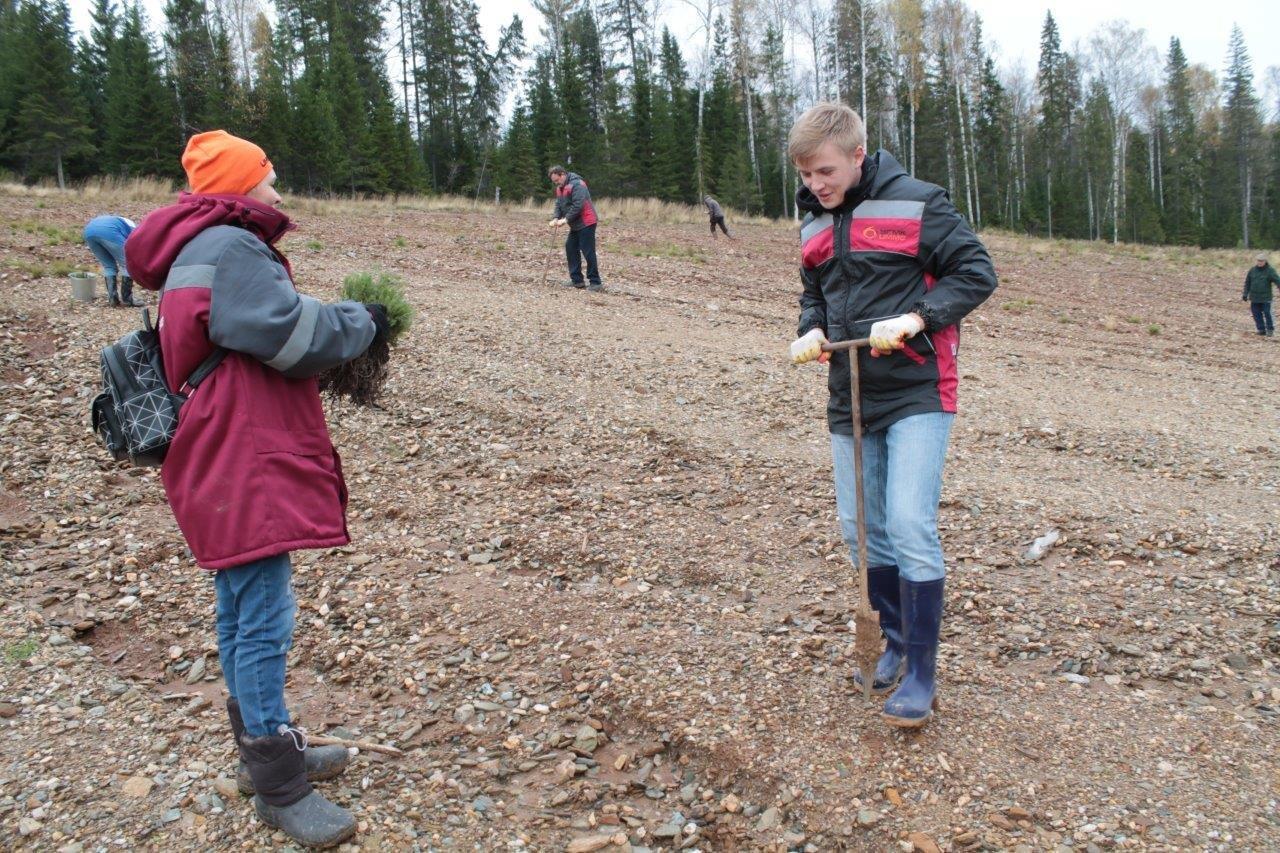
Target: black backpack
{"x":136,"y":414}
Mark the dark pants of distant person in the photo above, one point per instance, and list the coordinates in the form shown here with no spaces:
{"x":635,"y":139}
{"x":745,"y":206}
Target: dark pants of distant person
{"x":719,"y":220}
{"x":1262,"y":317}
{"x":578,"y":245}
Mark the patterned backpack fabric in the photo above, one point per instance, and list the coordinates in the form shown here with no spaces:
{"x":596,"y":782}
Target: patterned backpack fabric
{"x":136,"y":414}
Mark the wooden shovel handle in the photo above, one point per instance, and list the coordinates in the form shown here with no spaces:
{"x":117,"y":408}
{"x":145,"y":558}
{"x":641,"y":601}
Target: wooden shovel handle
{"x":840,"y":346}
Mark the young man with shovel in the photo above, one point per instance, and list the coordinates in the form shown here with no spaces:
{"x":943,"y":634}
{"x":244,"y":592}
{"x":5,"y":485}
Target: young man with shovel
{"x":888,"y":258}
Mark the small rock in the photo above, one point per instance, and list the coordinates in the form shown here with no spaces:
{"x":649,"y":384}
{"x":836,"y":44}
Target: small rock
{"x":1017,"y":813}
{"x":586,"y":740}
{"x":8,"y":709}
{"x":171,"y":815}
{"x":196,"y":672}
{"x":589,"y":843}
{"x":1075,"y":678}
{"x":137,"y":787}
{"x":465,"y":713}
{"x":226,"y":788}
{"x":731,"y":803}
{"x":58,"y":640}
{"x":922,"y":843}
{"x":868,"y":817}
{"x":769,"y":820}
{"x":1237,"y":661}
{"x":28,"y":826}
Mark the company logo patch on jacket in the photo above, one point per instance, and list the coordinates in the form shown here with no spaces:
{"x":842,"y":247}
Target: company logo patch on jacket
{"x":817,"y":241}
{"x":886,"y":226}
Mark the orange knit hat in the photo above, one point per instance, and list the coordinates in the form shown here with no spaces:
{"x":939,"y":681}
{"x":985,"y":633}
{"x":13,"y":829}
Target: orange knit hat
{"x":219,"y":163}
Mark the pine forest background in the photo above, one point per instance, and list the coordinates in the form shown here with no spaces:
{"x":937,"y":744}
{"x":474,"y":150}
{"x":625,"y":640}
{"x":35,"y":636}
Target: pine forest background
{"x":1116,"y":140}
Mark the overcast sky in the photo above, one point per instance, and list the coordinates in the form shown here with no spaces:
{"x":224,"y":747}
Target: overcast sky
{"x":1012,"y":25}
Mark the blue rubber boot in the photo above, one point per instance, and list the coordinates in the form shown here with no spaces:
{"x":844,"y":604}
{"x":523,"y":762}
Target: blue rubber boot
{"x":911,"y":705}
{"x":886,"y":599}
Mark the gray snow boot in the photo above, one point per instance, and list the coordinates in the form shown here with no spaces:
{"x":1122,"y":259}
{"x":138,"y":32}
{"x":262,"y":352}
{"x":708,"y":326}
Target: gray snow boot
{"x":113,"y":297}
{"x":322,"y":762}
{"x":285,"y":799}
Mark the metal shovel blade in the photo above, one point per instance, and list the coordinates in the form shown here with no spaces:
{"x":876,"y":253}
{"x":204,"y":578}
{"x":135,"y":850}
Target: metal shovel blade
{"x":866,"y":646}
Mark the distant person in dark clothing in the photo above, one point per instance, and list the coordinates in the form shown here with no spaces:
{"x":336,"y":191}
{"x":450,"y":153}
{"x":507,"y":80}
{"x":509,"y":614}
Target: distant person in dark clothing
{"x":1257,"y":292}
{"x":574,"y":208}
{"x":717,"y":216}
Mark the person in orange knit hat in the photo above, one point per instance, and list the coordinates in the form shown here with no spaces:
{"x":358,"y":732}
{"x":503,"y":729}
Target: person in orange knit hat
{"x":218,"y":163}
{"x":251,"y":474}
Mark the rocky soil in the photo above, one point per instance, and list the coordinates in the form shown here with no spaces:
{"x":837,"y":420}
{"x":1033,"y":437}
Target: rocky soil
{"x":596,"y":591}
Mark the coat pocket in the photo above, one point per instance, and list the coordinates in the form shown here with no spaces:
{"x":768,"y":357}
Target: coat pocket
{"x":300,"y":442}
{"x":303,"y":494}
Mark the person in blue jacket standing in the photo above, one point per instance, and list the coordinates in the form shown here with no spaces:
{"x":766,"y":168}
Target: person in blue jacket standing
{"x":105,"y":236}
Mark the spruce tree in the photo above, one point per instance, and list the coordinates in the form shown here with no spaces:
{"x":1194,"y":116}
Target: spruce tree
{"x":51,"y":122}
{"x":1241,"y":134}
{"x":1181,"y":158}
{"x":140,"y":134}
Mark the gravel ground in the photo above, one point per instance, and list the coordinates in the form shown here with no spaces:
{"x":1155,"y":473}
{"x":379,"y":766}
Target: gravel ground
{"x":596,"y":591}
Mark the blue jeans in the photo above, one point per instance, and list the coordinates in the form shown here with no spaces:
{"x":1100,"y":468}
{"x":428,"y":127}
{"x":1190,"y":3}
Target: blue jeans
{"x":582,"y":242}
{"x":109,"y":252}
{"x":255,"y":631}
{"x":902,"y":483}
{"x":1262,"y":316}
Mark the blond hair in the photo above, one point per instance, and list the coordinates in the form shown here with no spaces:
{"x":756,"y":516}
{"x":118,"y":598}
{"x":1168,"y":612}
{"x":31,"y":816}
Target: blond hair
{"x":828,"y":121}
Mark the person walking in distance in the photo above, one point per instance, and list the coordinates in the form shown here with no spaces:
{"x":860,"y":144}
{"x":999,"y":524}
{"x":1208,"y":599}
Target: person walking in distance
{"x":1258,"y":283}
{"x":574,"y":209}
{"x":716,"y":212}
{"x":887,"y":257}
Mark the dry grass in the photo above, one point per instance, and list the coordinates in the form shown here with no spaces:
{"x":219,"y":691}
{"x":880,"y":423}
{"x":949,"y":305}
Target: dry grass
{"x":112,"y":189}
{"x":646,"y":210}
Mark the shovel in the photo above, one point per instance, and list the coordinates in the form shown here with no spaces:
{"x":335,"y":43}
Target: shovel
{"x":866,"y":642}
{"x":546,"y":262}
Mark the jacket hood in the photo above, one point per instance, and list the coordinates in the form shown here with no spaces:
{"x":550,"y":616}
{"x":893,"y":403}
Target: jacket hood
{"x":877,"y":170}
{"x":155,"y":244}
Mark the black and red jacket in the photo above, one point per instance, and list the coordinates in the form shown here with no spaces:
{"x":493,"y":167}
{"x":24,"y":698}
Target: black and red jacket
{"x":895,"y":245}
{"x":573,"y":203}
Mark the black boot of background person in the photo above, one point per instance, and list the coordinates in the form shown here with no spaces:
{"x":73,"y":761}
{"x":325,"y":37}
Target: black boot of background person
{"x":285,"y":799}
{"x":113,"y":297}
{"x":886,"y":599}
{"x":321,"y":762}
{"x":126,"y":293}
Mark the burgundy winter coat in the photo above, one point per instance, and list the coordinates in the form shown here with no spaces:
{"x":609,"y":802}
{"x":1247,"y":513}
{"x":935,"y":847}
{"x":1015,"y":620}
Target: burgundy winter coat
{"x":251,"y":471}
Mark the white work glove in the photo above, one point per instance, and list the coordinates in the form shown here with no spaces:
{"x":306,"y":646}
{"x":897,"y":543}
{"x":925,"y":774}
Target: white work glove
{"x":809,"y":347}
{"x":888,"y":335}
{"x":556,"y":223}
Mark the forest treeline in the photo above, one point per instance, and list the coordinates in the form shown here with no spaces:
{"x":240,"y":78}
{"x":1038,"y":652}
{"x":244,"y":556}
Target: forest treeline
{"x":1114,"y":140}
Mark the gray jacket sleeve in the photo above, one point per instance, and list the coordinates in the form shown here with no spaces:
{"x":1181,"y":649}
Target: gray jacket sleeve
{"x":561,"y":201}
{"x":576,"y":201}
{"x":256,"y":310}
